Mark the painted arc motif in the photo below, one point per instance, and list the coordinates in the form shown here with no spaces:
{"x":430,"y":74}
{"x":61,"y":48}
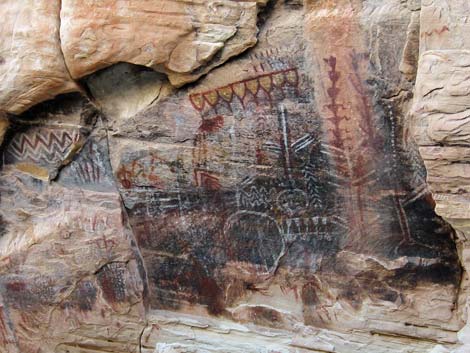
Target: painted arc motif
{"x":248,"y":88}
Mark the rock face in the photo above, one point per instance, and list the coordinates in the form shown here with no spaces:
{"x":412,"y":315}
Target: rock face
{"x":72,"y":277}
{"x":441,"y":110}
{"x":32,"y":68}
{"x":46,"y":43}
{"x":175,"y":37}
{"x":441,"y":116}
{"x":277,"y":204}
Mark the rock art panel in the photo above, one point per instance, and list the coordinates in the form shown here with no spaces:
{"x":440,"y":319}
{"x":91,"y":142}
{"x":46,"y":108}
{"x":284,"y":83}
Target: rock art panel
{"x":286,"y":182}
{"x":277,"y":204}
{"x":71,"y":272}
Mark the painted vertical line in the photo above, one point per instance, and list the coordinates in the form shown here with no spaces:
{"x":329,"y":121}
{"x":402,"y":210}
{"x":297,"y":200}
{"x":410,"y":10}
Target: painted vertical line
{"x":285,"y":140}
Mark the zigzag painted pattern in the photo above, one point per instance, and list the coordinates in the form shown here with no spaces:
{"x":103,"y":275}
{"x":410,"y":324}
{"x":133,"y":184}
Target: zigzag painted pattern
{"x":256,"y":197}
{"x":44,"y":145}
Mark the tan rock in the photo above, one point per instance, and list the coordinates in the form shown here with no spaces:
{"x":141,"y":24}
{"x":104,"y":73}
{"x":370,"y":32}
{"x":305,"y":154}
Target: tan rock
{"x":4,"y":124}
{"x":173,"y":37}
{"x":124,"y":90}
{"x":32,"y":67}
{"x":71,"y":277}
{"x":182,"y":39}
{"x":441,"y":118}
{"x":278,"y":205}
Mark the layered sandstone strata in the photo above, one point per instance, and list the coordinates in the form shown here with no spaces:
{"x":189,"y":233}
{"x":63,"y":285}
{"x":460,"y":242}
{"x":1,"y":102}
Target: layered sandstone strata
{"x":277,"y":204}
{"x":442,"y":104}
{"x":32,"y":68}
{"x":48,"y":44}
{"x":440,"y":115}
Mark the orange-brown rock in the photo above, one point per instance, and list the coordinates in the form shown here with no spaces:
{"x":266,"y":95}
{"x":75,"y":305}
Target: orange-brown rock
{"x":32,"y":68}
{"x":46,"y":44}
{"x":278,"y":204}
{"x":184,"y":39}
{"x":441,"y":117}
{"x":4,"y":124}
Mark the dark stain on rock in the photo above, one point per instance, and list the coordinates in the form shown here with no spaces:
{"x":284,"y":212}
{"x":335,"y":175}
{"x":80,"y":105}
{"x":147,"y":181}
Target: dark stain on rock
{"x":15,"y":286}
{"x":383,"y":292}
{"x":63,"y":104}
{"x":112,"y":283}
{"x":187,"y":280}
{"x":211,"y":125}
{"x":264,"y":316}
{"x":309,"y":295}
{"x":409,"y":276}
{"x":83,"y":297}
{"x":211,"y":295}
{"x":353,"y":293}
{"x":29,"y":295}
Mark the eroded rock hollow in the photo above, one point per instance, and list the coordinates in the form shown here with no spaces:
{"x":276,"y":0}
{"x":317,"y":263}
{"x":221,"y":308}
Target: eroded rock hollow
{"x":234,"y":176}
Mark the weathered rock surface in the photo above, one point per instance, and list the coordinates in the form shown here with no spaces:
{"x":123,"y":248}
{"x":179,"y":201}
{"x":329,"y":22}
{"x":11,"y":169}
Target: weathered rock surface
{"x":278,"y":204}
{"x":4,"y":124}
{"x":175,"y":37}
{"x":70,"y":276}
{"x":183,"y":39}
{"x":32,"y":68}
{"x":442,"y":107}
{"x":441,"y":116}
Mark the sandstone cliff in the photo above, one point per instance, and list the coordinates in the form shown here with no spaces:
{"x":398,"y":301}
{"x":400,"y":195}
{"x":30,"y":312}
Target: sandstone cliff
{"x":234,"y":176}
